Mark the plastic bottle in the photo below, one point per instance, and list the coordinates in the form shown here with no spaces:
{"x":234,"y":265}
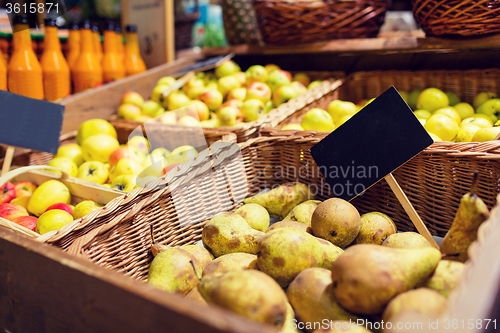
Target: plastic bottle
{"x":4,"y":47}
{"x":24,"y":72}
{"x":3,"y":73}
{"x":56,"y":75}
{"x":87,"y":73}
{"x":112,"y":66}
{"x":133,"y":61}
{"x":97,"y":42}
{"x":121,"y":45}
{"x":74,"y":41}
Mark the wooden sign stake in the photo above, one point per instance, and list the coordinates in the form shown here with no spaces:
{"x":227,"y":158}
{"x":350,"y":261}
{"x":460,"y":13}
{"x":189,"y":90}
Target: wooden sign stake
{"x":8,"y":160}
{"x":410,"y":210}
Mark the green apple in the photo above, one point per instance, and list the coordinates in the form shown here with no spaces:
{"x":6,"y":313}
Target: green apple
{"x":93,"y":171}
{"x":486,"y":134}
{"x":51,"y":220}
{"x":182,"y":154}
{"x":125,"y":183}
{"x":302,"y":78}
{"x":252,"y":109}
{"x":99,"y":147}
{"x":166,"y":80}
{"x":483,"y":97}
{"x":299,"y":87}
{"x":483,"y":122}
{"x":432,"y":99}
{"x":491,"y":108}
{"x":189,"y":121}
{"x":337,"y":109}
{"x":277,"y":79}
{"x":84,"y":208}
{"x":228,"y":116}
{"x":423,"y":114}
{"x":47,"y":194}
{"x":465,"y":110}
{"x":283,"y":94}
{"x":450,"y":112}
{"x":260,"y":91}
{"x":64,"y":164}
{"x":93,"y":127}
{"x":125,"y":166}
{"x":210,"y":123}
{"x":269,"y":106}
{"x":227,"y":68}
{"x":466,"y":133}
{"x":452,"y":98}
{"x":157,"y":94}
{"x":210,"y":86}
{"x":294,"y":127}
{"x":152,"y":109}
{"x":72,"y":151}
{"x":271,"y":68}
{"x":443,"y":126}
{"x":139,"y":142}
{"x":413,"y":97}
{"x":168,"y":118}
{"x":128,"y":111}
{"x":237,"y":93}
{"x":256,"y":73}
{"x":212,"y":99}
{"x":153,"y":166}
{"x":317,"y":119}
{"x":227,"y":83}
{"x":314,"y":84}
{"x":176,"y":100}
{"x":132,"y":97}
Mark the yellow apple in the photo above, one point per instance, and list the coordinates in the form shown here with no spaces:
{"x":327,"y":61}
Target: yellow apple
{"x":189,"y":121}
{"x":94,"y":171}
{"x":486,"y":134}
{"x":337,"y":109}
{"x":72,"y":151}
{"x":168,"y":118}
{"x":466,"y":133}
{"x":182,"y":154}
{"x":465,"y":110}
{"x":99,"y":147}
{"x":317,"y":119}
{"x":125,"y":183}
{"x":128,"y":111}
{"x":64,"y":164}
{"x":143,"y":118}
{"x":177,"y":100}
{"x":152,"y":109}
{"x":450,"y":112}
{"x":153,"y":166}
{"x":432,"y":99}
{"x":343,"y":119}
{"x":423,"y":114}
{"x":139,"y":142}
{"x":443,"y":126}
{"x":83,"y":208}
{"x":314,"y":84}
{"x":160,"y":152}
{"x":166,"y":80}
{"x":92,"y":127}
{"x":295,"y":127}
{"x":22,"y":201}
{"x":452,"y":98}
{"x":52,"y":220}
{"x":478,"y":121}
{"x":47,"y":194}
{"x":435,"y":137}
{"x":302,"y":78}
{"x":237,"y":93}
{"x":413,"y":97}
{"x":125,"y":166}
{"x":483,"y":97}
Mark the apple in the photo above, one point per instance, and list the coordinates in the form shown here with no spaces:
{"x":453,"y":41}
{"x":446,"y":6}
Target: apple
{"x":94,"y":171}
{"x":242,"y":78}
{"x":478,"y":121}
{"x":152,"y":109}
{"x":140,"y":143}
{"x":10,"y":211}
{"x":62,"y":206}
{"x":22,"y":201}
{"x":283,"y":94}
{"x":465,"y":110}
{"x":24,"y":188}
{"x":235,"y":103}
{"x":8,"y":192}
{"x":125,"y":152}
{"x":182,"y":154}
{"x":168,"y":118}
{"x":483,"y":97}
{"x":166,"y":80}
{"x":211,"y":86}
{"x":72,"y":151}
{"x":295,"y":127}
{"x":64,"y":164}
{"x":269,"y":106}
{"x":200,"y":110}
{"x":125,"y":183}
{"x":337,"y":109}
{"x":92,"y":127}
{"x":227,"y":68}
{"x":228,"y":116}
{"x":486,"y":134}
{"x":211,"y":123}
{"x":260,"y":91}
{"x":169,"y":167}
{"x":125,"y":166}
{"x":252,"y":109}
{"x":194,"y":87}
{"x":207,"y":76}
{"x":302,"y":78}
{"x":212,"y":99}
{"x":157,"y":94}
{"x":189,"y":121}
{"x":256,"y":73}
{"x":443,"y":126}
{"x":29,"y":222}
{"x":450,"y":112}
{"x":132,"y":97}
{"x":346,"y":117}
{"x":452,"y":98}
{"x":299,"y":87}
{"x":317,"y":119}
{"x":314,"y":84}
{"x":413,"y":97}
{"x":53,"y":220}
{"x":227,"y":83}
{"x":143,"y":118}
{"x":177,"y":100}
{"x":99,"y":147}
{"x":271,"y":68}
{"x":432,"y":99}
{"x":237,"y":93}
{"x":84,"y":208}
{"x":277,"y":79}
{"x":160,"y":153}
{"x":47,"y":194}
{"x":466,"y":133}
{"x":152,"y":167}
{"x":491,"y":108}
{"x":128,"y":111}
{"x":424,"y":114}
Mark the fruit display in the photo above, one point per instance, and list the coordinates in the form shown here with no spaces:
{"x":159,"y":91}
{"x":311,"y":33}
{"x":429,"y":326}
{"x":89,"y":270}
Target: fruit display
{"x":322,"y":264}
{"x":225,"y":97}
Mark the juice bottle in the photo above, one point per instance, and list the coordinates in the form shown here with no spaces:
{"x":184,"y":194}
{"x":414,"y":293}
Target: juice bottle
{"x":4,"y":47}
{"x":3,"y":73}
{"x":97,"y":43}
{"x":56,"y":76}
{"x":87,"y":73}
{"x":121,"y":45}
{"x":133,"y":61}
{"x":24,"y":73}
{"x":112,"y":66}
{"x":73,"y":44}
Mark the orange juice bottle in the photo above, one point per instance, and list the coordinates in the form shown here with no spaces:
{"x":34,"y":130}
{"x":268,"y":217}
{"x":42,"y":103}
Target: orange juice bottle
{"x":87,"y":72}
{"x":133,"y":61}
{"x":121,"y":46}
{"x":73,"y":44}
{"x":112,"y":66}
{"x":3,"y":73}
{"x":97,"y":42}
{"x":56,"y":76}
{"x":24,"y":73}
{"x":4,"y":47}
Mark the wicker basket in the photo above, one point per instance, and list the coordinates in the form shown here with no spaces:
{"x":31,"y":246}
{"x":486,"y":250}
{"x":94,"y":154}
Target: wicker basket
{"x":457,"y":17}
{"x":305,"y":21}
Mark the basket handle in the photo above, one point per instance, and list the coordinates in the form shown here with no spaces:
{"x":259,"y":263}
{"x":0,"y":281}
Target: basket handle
{"x":16,"y":172}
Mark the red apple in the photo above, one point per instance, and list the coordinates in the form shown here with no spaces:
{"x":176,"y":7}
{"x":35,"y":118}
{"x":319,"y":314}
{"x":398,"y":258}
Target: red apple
{"x":212,"y":99}
{"x":26,"y":221}
{"x":61,"y":206}
{"x":125,"y":152}
{"x":235,"y":103}
{"x":7,"y":192}
{"x":24,"y":188}
{"x":170,"y":167}
{"x":259,"y":91}
{"x":10,"y":211}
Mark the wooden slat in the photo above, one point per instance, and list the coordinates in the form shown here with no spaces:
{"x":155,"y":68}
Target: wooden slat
{"x":43,"y":289}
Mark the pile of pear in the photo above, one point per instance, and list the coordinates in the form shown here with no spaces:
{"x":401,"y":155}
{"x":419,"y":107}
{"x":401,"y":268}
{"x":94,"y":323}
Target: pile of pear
{"x":322,"y":261}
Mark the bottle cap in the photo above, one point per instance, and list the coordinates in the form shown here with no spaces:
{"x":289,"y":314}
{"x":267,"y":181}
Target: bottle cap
{"x":131,"y":28}
{"x":85,"y":24}
{"x":95,"y":27}
{"x":118,"y":29}
{"x":21,"y":19}
{"x":110,"y":26}
{"x":74,"y":26}
{"x":50,"y":23}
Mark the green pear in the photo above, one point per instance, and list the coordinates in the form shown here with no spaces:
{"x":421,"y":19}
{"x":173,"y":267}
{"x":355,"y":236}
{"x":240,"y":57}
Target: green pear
{"x":194,"y":294}
{"x":250,"y":293}
{"x":282,"y":199}
{"x":367,"y":276}
{"x":311,"y":296}
{"x":471,"y":213}
{"x":406,"y":240}
{"x":174,"y":270}
{"x":229,"y":233}
{"x":255,"y":215}
{"x":337,"y":221}
{"x":375,"y":228}
{"x":303,"y":212}
{"x":446,"y":277}
{"x":199,"y":252}
{"x":422,"y":300}
{"x":231,"y":262}
{"x":290,"y":224}
{"x":285,"y":252}
{"x":287,"y":325}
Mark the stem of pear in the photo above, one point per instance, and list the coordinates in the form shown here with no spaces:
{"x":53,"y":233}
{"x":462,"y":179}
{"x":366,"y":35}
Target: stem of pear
{"x":194,"y":269}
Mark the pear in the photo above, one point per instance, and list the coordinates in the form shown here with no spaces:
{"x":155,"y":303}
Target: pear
{"x":406,"y":240}
{"x":282,"y":199}
{"x":194,"y":294}
{"x":255,"y":215}
{"x":229,"y":233}
{"x":290,"y":224}
{"x":343,"y":326}
{"x":285,"y":252}
{"x":311,"y":296}
{"x":199,"y":252}
{"x":446,"y":277}
{"x":337,"y":221}
{"x":157,"y":248}
{"x":367,"y":276}
{"x":231,"y":262}
{"x":303,"y":212}
{"x":471,"y":212}
{"x":289,"y":318}
{"x":375,"y":228}
{"x":422,"y":300}
{"x":250,"y":293}
{"x":174,"y":270}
